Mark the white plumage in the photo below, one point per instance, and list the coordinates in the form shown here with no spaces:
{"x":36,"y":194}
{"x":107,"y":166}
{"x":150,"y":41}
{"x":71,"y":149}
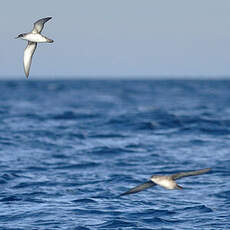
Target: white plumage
{"x":28,"y":54}
{"x":33,"y":38}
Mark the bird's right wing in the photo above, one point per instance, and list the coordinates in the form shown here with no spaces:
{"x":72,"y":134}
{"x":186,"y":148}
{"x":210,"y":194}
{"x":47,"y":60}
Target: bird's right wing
{"x":39,"y":24}
{"x":139,"y":188}
{"x":191,"y":173}
{"x":28,"y":53}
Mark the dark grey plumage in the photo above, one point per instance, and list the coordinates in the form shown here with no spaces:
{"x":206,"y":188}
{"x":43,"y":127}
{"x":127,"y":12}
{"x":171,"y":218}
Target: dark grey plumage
{"x":190,"y":173}
{"x":139,"y":188}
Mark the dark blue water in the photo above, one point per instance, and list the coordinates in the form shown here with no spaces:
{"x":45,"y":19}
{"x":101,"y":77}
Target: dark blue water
{"x":69,"y":148}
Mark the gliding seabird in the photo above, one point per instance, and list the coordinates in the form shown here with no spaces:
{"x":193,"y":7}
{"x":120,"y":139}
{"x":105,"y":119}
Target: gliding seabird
{"x":168,"y":182}
{"x":33,"y":38}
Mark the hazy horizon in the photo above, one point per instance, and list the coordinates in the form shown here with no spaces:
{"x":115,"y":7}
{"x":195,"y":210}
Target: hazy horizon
{"x":112,"y":77}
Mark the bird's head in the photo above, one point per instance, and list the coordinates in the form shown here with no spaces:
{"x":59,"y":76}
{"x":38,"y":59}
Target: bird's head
{"x":20,"y":36}
{"x":155,"y":177}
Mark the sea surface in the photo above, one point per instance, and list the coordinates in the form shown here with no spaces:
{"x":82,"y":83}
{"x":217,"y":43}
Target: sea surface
{"x":68,"y":149}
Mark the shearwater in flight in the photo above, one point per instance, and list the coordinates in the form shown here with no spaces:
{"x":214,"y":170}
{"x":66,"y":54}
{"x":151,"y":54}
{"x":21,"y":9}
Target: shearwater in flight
{"x":33,"y":38}
{"x":168,"y":182}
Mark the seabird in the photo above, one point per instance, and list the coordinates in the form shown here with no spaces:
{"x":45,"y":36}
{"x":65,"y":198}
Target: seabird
{"x":33,"y":38}
{"x":168,"y":181}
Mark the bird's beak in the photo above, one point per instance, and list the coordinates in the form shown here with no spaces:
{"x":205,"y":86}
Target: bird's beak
{"x":16,"y":37}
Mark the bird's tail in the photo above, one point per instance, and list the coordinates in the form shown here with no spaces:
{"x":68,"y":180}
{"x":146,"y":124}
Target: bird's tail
{"x":50,"y":40}
{"x":178,"y":186}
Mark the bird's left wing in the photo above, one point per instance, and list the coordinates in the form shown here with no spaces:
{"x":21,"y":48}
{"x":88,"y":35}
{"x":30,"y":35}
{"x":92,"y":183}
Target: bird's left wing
{"x":191,"y":173}
{"x":28,"y":54}
{"x":139,"y":188}
{"x":39,"y":24}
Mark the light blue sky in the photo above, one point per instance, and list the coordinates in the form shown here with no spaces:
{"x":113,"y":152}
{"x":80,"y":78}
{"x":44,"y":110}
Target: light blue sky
{"x":119,"y":38}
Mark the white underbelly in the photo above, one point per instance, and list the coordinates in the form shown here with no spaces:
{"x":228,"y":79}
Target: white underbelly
{"x":35,"y":38}
{"x":168,"y":184}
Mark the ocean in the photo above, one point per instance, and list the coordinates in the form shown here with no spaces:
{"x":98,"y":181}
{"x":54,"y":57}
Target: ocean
{"x":68,"y":149}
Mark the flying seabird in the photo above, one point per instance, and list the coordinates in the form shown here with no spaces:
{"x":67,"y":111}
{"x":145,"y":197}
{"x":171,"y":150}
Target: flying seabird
{"x":168,"y":181}
{"x":33,"y":38}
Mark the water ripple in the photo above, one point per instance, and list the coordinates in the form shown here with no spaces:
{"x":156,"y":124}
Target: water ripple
{"x":69,"y":148}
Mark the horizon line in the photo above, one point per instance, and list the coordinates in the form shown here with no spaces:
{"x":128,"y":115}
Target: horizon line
{"x":119,"y":77}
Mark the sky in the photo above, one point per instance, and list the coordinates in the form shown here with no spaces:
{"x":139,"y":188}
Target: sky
{"x":119,"y":38}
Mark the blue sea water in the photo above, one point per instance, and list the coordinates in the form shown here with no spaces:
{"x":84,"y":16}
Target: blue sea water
{"x":69,"y":148}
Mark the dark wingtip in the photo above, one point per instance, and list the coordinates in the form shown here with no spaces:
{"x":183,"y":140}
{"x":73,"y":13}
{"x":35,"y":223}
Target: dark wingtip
{"x":206,"y":170}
